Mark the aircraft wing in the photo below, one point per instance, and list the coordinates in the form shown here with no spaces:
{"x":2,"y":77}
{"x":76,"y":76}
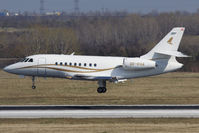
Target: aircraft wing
{"x":111,"y":79}
{"x":91,"y":77}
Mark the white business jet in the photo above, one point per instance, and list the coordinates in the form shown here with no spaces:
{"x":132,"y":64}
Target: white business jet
{"x":161,"y":59}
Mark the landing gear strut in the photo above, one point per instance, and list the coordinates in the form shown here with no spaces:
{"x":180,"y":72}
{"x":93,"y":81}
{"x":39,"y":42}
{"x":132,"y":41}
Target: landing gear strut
{"x":102,"y":86}
{"x":33,"y":83}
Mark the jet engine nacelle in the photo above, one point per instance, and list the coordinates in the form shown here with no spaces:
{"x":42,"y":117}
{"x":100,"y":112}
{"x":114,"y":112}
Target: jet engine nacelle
{"x":138,"y":64}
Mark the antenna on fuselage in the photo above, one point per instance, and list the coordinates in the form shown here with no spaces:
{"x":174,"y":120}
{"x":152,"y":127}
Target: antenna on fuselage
{"x":73,"y":53}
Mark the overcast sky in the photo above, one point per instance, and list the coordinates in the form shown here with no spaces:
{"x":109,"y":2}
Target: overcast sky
{"x":142,"y":6}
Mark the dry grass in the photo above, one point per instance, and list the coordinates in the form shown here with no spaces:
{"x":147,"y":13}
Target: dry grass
{"x":11,"y":30}
{"x":173,"y":88}
{"x":99,"y":126}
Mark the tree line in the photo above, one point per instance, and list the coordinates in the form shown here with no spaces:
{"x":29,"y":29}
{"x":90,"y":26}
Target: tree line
{"x":110,"y":34}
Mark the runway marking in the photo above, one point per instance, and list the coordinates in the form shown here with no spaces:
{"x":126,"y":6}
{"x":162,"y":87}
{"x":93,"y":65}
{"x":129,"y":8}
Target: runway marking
{"x":170,"y":111}
{"x":100,"y":114}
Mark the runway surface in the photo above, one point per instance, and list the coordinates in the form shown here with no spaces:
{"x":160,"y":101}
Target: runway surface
{"x":136,"y":111}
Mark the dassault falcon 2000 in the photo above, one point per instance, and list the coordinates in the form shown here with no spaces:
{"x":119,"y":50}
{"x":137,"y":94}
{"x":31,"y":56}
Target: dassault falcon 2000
{"x":161,"y":59}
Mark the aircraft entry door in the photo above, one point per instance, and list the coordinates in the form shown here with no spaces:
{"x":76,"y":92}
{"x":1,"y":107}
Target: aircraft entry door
{"x":41,"y":71}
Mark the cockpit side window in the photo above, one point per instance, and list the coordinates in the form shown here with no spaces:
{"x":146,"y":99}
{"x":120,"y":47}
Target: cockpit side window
{"x":31,"y":60}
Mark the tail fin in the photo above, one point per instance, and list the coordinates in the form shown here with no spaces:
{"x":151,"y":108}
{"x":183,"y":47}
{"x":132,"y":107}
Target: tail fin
{"x":168,"y":46}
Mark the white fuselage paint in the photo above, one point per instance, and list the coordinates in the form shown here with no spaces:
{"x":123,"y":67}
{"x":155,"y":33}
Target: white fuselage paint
{"x":106,"y":67}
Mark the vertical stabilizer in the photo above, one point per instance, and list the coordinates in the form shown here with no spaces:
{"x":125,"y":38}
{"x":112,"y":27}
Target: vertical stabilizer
{"x":169,"y":44}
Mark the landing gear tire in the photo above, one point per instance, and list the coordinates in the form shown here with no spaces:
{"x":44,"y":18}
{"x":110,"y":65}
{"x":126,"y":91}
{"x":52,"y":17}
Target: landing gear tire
{"x":33,"y":87}
{"x":102,"y":86}
{"x":101,"y":90}
{"x":104,"y":89}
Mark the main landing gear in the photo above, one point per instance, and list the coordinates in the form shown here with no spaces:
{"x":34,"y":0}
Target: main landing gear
{"x":102,"y":86}
{"x":33,"y":83}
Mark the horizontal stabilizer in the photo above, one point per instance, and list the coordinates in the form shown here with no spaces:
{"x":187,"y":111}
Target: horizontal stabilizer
{"x":172,"y":53}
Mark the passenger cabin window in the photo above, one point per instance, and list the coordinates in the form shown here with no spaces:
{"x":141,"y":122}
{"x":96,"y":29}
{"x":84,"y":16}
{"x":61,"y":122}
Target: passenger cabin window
{"x":31,"y":60}
{"x":61,"y":63}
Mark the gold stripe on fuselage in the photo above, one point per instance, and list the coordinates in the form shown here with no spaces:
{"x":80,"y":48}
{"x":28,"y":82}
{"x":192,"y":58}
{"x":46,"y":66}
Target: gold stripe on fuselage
{"x":66,"y":70}
{"x":73,"y":71}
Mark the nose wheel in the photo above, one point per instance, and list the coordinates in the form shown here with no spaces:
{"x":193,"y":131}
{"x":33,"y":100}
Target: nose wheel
{"x":33,"y":87}
{"x":33,"y":83}
{"x":102,"y":86}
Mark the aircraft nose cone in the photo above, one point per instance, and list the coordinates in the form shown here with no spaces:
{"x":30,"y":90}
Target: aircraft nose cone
{"x":6,"y":69}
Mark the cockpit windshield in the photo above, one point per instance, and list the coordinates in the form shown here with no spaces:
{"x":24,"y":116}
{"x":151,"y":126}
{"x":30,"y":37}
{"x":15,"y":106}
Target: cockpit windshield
{"x":22,"y":60}
{"x":31,"y":60}
{"x":27,"y":60}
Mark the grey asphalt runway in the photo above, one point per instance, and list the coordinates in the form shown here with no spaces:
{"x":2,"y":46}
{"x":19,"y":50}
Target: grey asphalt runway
{"x":136,"y":111}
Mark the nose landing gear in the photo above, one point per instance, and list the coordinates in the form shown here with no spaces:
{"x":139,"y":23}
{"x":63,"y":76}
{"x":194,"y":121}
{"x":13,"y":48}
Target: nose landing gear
{"x":33,"y":83}
{"x":102,"y":86}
